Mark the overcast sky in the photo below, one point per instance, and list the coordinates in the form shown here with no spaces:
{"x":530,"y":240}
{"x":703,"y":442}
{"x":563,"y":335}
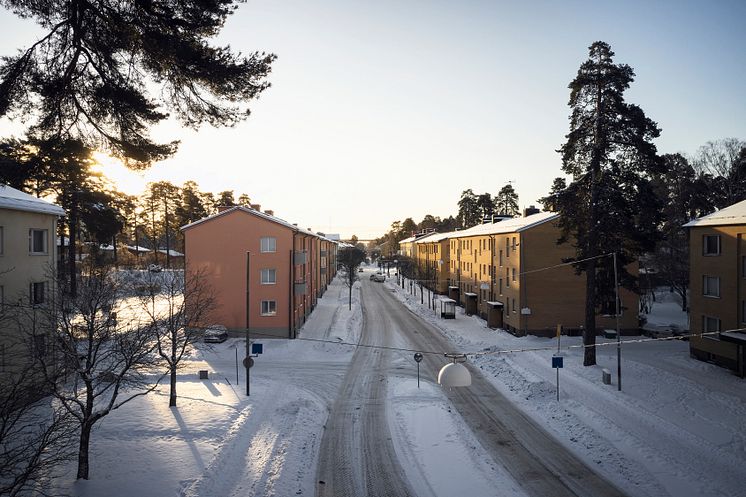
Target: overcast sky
{"x":384,"y":110}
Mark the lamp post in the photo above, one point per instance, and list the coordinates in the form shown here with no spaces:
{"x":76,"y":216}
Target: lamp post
{"x":247,"y":360}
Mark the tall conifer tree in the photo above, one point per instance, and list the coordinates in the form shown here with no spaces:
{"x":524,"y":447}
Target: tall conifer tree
{"x":609,"y":206}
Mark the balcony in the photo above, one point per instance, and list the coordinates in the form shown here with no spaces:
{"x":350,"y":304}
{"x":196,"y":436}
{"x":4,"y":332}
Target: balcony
{"x":301,"y":288}
{"x":300,"y":257}
{"x":323,"y":253}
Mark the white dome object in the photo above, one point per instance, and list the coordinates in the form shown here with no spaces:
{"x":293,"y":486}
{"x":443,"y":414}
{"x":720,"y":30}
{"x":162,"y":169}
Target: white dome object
{"x":454,"y":374}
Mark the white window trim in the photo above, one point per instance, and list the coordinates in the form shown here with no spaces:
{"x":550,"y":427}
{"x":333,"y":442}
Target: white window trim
{"x":268,"y":239}
{"x":704,"y":324}
{"x":704,"y":246}
{"x":269,"y":271}
{"x":269,"y":313}
{"x":705,"y":287}
{"x":31,"y":241}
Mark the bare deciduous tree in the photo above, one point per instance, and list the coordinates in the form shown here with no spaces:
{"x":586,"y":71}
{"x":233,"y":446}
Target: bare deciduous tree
{"x":34,"y":431}
{"x":350,"y":258}
{"x":176,"y":305}
{"x":105,"y":359}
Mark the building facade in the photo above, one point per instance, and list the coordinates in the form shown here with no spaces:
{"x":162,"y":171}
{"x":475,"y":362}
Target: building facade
{"x":266,"y":274}
{"x":717,"y":286}
{"x":28,"y":254}
{"x":513,"y":266}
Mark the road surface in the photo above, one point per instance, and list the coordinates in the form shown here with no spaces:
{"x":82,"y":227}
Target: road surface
{"x":357,"y":456}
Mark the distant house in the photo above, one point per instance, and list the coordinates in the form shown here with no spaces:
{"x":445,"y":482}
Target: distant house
{"x":28,"y":255}
{"x":717,"y":287}
{"x":265,"y":273}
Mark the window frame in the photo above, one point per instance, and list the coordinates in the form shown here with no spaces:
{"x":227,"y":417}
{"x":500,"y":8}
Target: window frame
{"x":33,"y":294}
{"x":269,"y":249}
{"x":705,"y":329}
{"x":706,"y":287}
{"x":269,"y":311}
{"x":268,"y":272}
{"x":705,"y":246}
{"x":45,"y":241}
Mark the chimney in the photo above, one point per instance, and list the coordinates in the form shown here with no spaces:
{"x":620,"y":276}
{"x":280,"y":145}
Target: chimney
{"x":256,"y":207}
{"x":269,"y":212}
{"x":222,"y":208}
{"x":530,"y":210}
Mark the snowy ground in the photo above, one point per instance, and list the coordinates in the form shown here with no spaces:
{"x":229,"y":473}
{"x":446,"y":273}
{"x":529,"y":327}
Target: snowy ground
{"x":678,"y":427}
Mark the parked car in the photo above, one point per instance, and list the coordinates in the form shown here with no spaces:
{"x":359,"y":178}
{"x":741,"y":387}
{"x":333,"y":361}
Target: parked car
{"x":155,"y":268}
{"x":380,"y":278}
{"x":216,"y":333}
{"x":372,"y":277}
{"x":360,"y":269}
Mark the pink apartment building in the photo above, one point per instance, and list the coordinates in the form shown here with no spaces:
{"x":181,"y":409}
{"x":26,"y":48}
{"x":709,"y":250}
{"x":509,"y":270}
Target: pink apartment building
{"x":284,"y":268}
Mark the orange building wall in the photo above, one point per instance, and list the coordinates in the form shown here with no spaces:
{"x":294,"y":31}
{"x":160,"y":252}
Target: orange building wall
{"x":218,"y":248}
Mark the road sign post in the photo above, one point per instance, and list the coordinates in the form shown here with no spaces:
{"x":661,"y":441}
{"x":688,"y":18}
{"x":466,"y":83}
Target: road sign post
{"x":557,"y":363}
{"x":418,"y":359}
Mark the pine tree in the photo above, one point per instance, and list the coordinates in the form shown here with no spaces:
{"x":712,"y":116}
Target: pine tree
{"x":610,"y":205}
{"x":106,"y":71}
{"x":468,"y":210}
{"x":506,"y":201}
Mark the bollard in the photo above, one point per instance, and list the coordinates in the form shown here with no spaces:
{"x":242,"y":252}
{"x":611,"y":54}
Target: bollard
{"x":606,"y":376}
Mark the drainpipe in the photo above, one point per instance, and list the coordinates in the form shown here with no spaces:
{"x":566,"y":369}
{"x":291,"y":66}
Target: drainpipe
{"x":291,"y":291}
{"x":522,"y":282}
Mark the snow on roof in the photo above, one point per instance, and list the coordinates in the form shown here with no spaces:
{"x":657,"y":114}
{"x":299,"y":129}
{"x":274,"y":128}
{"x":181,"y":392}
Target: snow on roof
{"x":137,"y":248}
{"x":408,"y":240}
{"x":514,"y":225}
{"x":257,"y":213}
{"x":13,"y":199}
{"x":437,"y":237}
{"x":171,"y":252}
{"x":734,"y":214}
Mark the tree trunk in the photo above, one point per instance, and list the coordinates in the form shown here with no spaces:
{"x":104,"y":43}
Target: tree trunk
{"x":72,"y":225}
{"x":350,"y":300}
{"x":85,"y":438}
{"x":172,"y":396}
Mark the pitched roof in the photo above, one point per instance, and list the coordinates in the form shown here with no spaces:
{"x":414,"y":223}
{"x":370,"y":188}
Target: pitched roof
{"x":13,"y":199}
{"x":513,"y":225}
{"x":734,"y":214}
{"x":257,"y":213}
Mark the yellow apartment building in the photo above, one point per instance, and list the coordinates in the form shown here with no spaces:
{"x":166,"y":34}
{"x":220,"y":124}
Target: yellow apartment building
{"x":717,"y":286}
{"x":28,"y":255}
{"x":432,"y":254}
{"x":505,"y":265}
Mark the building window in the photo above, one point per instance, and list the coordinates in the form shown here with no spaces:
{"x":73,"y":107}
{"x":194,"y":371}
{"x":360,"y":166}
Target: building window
{"x":501,"y":285}
{"x":40,"y":346}
{"x":513,"y":274}
{"x":507,"y":247}
{"x":711,"y":245}
{"x":514,"y":244}
{"x":269,"y":307}
{"x":507,"y":277}
{"x":269,"y":276}
{"x":500,"y":260}
{"x":743,"y":266}
{"x":37,"y":241}
{"x":514,"y":305}
{"x":37,"y":293}
{"x":710,"y":324}
{"x":268,"y":244}
{"x":710,"y":286}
